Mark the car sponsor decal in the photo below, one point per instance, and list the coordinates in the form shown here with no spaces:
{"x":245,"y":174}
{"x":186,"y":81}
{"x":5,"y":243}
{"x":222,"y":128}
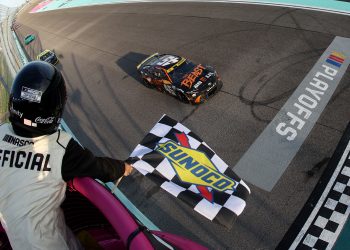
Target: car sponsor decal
{"x":197,"y":84}
{"x":167,"y":60}
{"x":169,"y":88}
{"x":191,"y":77}
{"x":176,"y":65}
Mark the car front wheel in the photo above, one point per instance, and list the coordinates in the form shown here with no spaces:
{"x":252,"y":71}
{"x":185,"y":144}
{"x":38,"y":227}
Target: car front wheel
{"x":182,"y":97}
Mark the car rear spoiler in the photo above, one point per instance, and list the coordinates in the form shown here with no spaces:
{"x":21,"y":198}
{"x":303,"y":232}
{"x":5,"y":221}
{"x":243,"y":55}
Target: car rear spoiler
{"x":155,"y":54}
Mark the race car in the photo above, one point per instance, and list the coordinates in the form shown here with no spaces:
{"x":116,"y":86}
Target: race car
{"x":29,"y":38}
{"x":48,"y":56}
{"x":179,"y":77}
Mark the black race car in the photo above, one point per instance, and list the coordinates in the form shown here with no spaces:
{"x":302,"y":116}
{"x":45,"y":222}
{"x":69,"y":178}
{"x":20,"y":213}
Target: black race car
{"x":179,"y":77}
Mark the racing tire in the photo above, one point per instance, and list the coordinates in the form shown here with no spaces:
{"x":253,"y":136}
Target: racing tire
{"x":181,"y":96}
{"x":147,"y":84}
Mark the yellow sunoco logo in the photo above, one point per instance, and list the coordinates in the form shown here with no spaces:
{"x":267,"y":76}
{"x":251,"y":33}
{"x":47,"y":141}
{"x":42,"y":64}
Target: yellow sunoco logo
{"x":194,"y":167}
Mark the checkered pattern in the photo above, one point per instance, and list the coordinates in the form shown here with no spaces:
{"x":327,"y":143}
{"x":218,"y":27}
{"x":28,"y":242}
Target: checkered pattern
{"x":226,"y":205}
{"x":331,"y":217}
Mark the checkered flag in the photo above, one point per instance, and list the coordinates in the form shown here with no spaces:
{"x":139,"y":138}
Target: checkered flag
{"x":185,"y":166}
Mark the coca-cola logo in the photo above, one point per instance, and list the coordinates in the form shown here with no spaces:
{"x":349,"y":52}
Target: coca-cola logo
{"x":47,"y":120}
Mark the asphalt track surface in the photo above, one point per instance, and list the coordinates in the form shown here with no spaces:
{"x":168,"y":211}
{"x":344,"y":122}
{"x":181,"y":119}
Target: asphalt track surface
{"x":262,"y":54}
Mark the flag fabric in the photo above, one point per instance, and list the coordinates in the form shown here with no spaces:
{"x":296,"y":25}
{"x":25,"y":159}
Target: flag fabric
{"x":181,"y":163}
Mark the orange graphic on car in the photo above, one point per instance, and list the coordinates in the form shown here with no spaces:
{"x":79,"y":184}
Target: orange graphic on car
{"x":191,"y":77}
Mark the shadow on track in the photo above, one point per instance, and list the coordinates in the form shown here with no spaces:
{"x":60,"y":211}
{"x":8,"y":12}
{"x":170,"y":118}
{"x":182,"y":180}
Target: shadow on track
{"x":129,"y":62}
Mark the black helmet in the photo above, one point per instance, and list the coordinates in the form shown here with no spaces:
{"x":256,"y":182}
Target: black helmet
{"x":37,"y":99}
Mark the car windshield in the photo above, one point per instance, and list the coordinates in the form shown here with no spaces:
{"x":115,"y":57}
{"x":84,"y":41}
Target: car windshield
{"x":180,"y":71}
{"x":45,"y":56}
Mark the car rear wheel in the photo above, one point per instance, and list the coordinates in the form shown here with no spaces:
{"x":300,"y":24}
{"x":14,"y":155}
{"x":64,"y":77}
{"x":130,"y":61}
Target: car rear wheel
{"x":147,"y":84}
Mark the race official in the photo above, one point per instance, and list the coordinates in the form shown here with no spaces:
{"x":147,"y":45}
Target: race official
{"x":37,"y":159}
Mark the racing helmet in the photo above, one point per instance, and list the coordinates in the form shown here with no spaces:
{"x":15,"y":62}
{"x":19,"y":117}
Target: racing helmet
{"x":37,"y":99}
